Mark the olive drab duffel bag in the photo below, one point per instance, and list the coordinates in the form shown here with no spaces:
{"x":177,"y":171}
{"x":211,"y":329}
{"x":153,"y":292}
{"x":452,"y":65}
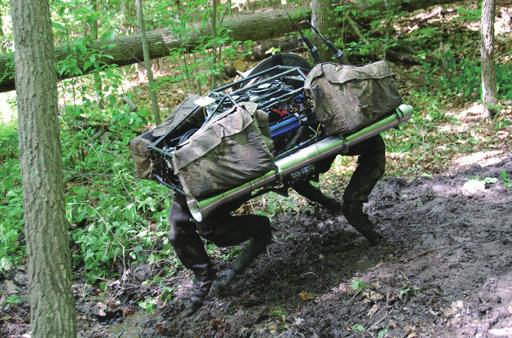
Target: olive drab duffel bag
{"x":227,"y":151}
{"x":347,"y":98}
{"x":147,"y":163}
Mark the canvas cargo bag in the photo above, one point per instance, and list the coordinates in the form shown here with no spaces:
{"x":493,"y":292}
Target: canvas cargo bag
{"x":141,"y":155}
{"x":227,"y":151}
{"x":145,"y":162}
{"x":347,"y":98}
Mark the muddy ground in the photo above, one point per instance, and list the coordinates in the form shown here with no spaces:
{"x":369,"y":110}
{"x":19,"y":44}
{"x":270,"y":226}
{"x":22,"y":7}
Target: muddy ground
{"x":446,"y":270}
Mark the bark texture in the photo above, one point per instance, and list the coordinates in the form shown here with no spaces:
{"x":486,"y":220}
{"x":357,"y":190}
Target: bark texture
{"x":49,"y":260}
{"x":147,"y":64}
{"x":487,"y":56}
{"x":128,"y":50}
{"x":322,"y":18}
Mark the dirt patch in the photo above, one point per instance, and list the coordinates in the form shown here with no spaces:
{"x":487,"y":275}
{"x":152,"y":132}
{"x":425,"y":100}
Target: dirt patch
{"x":446,"y":270}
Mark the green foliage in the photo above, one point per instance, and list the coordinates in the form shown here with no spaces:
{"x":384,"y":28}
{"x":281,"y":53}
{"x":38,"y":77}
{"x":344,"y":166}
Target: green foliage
{"x":273,"y":204}
{"x":427,"y":35}
{"x":407,"y":291}
{"x":8,"y":142}
{"x":367,"y":46}
{"x":358,"y":328}
{"x":455,"y":76}
{"x":148,"y":305}
{"x":11,"y":209}
{"x":167,"y":294}
{"x":203,"y":69}
{"x":490,"y":180}
{"x":505,"y":179}
{"x":358,"y":285}
{"x":115,"y":217}
{"x":366,"y":50}
{"x":347,"y":8}
{"x":279,"y":313}
{"x":455,"y":73}
{"x":13,"y":300}
{"x":382,"y":333}
{"x":11,"y":199}
{"x":469,"y":14}
{"x":504,"y":80}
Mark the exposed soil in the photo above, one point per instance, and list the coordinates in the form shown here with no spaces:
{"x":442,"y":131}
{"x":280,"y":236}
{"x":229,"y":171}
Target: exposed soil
{"x":446,"y":271}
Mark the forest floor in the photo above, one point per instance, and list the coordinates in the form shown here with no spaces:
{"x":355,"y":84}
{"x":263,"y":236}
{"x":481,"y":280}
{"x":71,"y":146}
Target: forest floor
{"x":445,"y":269}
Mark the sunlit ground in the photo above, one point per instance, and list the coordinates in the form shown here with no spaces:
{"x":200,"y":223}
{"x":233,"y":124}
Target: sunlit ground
{"x":446,"y":14}
{"x":7,"y":108}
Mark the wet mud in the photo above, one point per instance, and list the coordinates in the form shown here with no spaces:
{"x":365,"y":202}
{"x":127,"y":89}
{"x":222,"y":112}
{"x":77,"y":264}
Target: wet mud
{"x":444,"y":271}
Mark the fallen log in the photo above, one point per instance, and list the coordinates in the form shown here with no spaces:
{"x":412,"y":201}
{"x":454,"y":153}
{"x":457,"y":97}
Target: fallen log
{"x":128,"y":49}
{"x":286,"y":44}
{"x":262,"y":50}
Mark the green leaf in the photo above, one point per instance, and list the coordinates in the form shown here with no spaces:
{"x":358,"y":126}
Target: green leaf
{"x":59,"y":27}
{"x":359,"y":328}
{"x":382,"y":333}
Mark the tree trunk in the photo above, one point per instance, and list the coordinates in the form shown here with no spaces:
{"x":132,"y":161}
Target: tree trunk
{"x":487,"y":57}
{"x":286,"y":44}
{"x":323,"y":19}
{"x":128,"y":50}
{"x":2,"y":35}
{"x":258,"y":26}
{"x":147,"y":64}
{"x":98,"y":86}
{"x":49,"y":259}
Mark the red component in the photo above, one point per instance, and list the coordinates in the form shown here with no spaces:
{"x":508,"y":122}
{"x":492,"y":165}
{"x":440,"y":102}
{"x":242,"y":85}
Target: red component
{"x":281,"y":112}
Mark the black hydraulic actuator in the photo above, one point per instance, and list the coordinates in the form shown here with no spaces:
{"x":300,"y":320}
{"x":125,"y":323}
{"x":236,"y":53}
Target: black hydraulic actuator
{"x":313,"y":50}
{"x":338,"y":53}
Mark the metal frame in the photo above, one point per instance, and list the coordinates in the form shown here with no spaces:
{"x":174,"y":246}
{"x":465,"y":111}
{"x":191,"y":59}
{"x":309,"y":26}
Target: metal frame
{"x":223,"y":95}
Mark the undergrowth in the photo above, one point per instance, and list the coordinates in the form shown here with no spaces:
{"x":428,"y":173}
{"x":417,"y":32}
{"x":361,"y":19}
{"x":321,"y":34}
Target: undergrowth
{"x":117,"y":220}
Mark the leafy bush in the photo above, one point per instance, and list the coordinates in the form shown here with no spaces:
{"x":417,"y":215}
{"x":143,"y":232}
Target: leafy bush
{"x":11,"y":209}
{"x":8,"y":142}
{"x":116,"y":219}
{"x":11,"y":200}
{"x":504,"y":80}
{"x":469,"y":14}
